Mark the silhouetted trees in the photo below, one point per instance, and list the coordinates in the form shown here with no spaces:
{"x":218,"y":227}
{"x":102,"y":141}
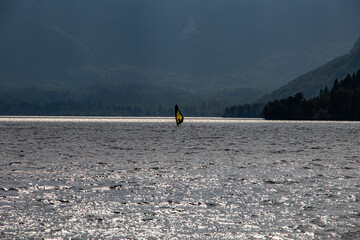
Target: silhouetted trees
{"x":341,"y":103}
{"x":244,"y":111}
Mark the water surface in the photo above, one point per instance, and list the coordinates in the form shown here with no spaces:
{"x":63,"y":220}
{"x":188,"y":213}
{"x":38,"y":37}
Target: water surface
{"x":211,"y":178}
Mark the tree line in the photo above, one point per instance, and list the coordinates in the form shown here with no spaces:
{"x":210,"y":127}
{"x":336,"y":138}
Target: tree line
{"x":341,"y":103}
{"x":244,"y":111}
{"x":106,"y":100}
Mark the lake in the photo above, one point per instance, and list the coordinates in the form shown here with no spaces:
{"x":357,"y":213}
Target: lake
{"x":210,"y":178}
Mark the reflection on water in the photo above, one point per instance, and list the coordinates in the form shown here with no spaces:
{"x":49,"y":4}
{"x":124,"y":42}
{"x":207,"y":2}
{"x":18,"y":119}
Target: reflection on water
{"x":145,"y":178}
{"x":87,"y":119}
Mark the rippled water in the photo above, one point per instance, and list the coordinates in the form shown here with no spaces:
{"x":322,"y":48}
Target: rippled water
{"x":145,"y":178}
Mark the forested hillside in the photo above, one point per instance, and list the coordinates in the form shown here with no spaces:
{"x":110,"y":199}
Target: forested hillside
{"x":103,"y":99}
{"x":341,"y":103}
{"x":308,"y":84}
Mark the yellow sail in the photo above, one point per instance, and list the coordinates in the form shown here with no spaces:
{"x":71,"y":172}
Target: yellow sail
{"x":178,"y":116}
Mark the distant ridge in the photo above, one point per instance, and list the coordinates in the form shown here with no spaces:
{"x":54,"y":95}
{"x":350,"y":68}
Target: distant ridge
{"x":312,"y":82}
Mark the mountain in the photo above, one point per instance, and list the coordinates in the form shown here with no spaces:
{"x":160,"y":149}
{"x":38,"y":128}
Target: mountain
{"x":312,"y":82}
{"x":213,"y":52}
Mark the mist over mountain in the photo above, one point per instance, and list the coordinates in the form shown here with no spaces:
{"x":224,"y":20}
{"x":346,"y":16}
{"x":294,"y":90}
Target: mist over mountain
{"x":211,"y":49}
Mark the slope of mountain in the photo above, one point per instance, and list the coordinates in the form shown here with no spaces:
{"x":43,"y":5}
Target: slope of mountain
{"x":312,"y":82}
